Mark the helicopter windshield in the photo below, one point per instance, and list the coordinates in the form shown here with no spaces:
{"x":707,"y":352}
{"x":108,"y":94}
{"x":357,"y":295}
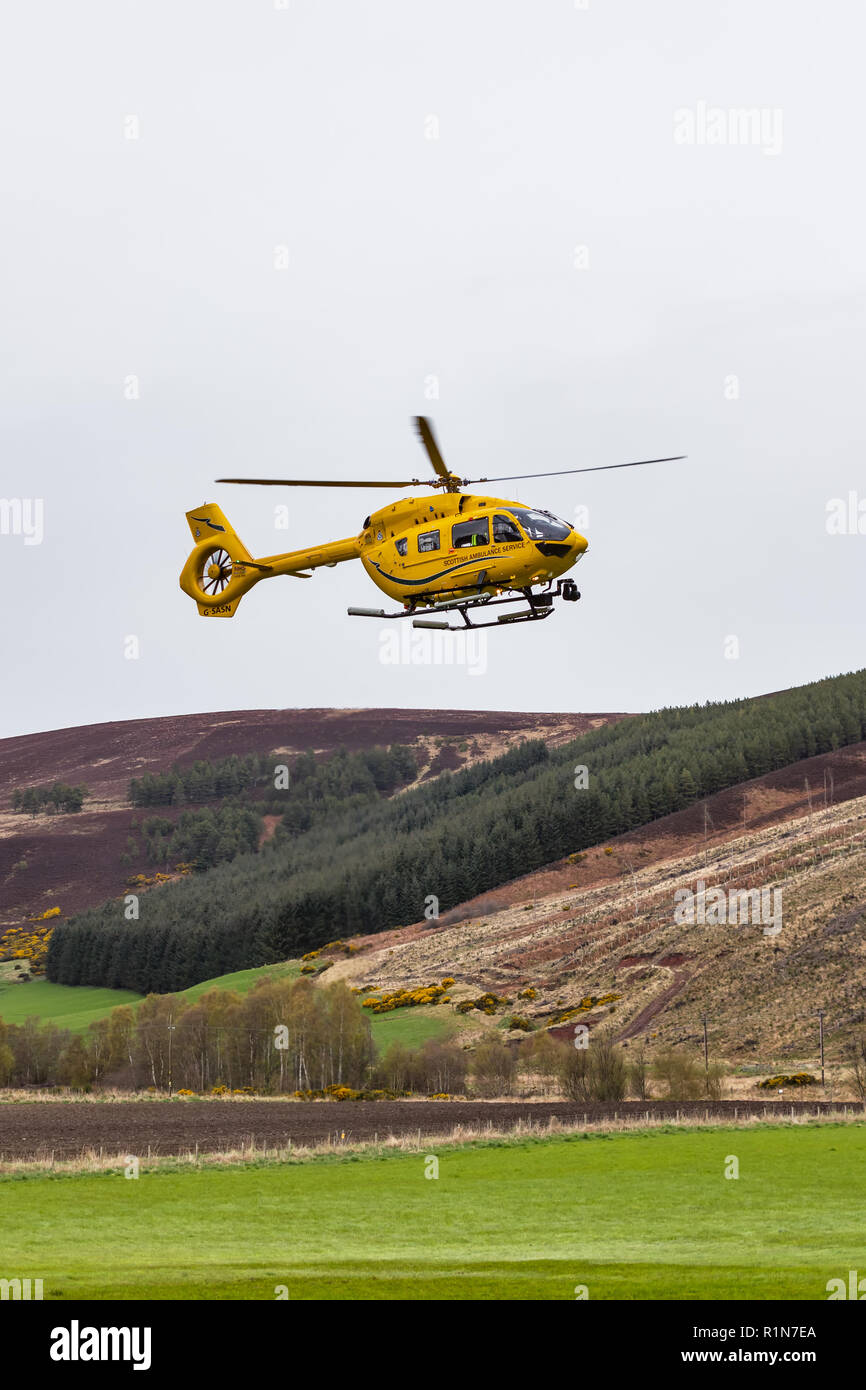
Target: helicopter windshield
{"x":541,"y":526}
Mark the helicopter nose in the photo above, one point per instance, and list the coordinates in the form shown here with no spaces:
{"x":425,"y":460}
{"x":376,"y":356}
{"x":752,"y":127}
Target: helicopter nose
{"x":579,"y":544}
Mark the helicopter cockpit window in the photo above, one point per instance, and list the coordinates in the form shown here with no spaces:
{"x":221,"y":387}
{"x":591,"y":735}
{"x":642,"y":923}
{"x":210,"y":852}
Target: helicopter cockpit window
{"x":475,"y":531}
{"x":428,"y":540}
{"x":504,"y":530}
{"x":402,"y":545}
{"x":541,"y":526}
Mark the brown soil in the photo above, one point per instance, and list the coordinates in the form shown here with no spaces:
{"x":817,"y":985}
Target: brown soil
{"x":152,"y":1127}
{"x":640,"y":1022}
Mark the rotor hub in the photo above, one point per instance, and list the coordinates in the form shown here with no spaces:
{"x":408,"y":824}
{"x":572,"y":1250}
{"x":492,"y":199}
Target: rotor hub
{"x":215,"y":573}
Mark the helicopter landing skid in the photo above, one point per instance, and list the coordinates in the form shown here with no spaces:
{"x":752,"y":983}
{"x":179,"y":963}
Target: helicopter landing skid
{"x":538,"y":607}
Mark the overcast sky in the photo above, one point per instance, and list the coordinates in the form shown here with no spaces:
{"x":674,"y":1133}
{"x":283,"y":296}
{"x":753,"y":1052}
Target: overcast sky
{"x":543,"y":224}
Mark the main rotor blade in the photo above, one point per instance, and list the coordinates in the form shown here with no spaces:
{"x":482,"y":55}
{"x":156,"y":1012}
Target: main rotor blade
{"x":560,"y":473}
{"x":428,"y":439}
{"x":323,"y":482}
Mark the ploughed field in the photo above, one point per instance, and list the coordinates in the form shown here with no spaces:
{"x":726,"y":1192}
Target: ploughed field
{"x":38,"y":1129}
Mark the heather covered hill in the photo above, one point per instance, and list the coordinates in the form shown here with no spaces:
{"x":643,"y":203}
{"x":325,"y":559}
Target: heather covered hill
{"x":453,"y":838}
{"x":105,"y":756}
{"x":75,"y":861}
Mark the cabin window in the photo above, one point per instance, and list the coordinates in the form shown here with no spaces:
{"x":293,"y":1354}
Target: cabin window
{"x":475,"y":531}
{"x":428,"y":540}
{"x":402,"y":545}
{"x":505,"y":530}
{"x":541,"y":526}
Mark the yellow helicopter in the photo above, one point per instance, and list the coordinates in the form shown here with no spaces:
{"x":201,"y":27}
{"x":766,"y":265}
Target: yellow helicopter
{"x":444,"y":553}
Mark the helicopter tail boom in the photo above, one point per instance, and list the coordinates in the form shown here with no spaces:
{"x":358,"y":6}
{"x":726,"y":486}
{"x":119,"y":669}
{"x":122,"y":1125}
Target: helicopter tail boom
{"x":220,"y":570}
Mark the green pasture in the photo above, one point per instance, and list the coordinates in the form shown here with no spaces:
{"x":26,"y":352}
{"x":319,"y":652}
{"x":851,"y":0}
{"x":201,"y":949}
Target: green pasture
{"x":626,"y":1216}
{"x":77,"y":1006}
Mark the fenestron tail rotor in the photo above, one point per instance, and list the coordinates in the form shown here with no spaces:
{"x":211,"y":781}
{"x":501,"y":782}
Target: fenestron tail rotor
{"x":216,"y":571}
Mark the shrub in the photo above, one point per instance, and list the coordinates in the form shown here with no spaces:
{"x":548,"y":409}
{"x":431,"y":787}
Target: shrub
{"x":637,"y":1074}
{"x":574,"y":1073}
{"x":488,"y":1003}
{"x":439,"y":1066}
{"x":493,"y":1068}
{"x":596,"y":1072}
{"x":857,"y":1064}
{"x":405,"y":999}
{"x":800,"y":1078}
{"x":680,"y":1074}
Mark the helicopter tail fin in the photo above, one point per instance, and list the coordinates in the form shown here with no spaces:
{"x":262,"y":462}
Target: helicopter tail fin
{"x":219,"y":569}
{"x":211,"y":523}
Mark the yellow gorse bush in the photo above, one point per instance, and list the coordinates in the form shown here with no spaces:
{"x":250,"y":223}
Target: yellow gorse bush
{"x":589,"y":1001}
{"x":800,"y":1078}
{"x":28,"y":943}
{"x":405,"y":999}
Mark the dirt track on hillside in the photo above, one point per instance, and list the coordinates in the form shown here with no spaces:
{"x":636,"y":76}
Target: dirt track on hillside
{"x":150,"y":1128}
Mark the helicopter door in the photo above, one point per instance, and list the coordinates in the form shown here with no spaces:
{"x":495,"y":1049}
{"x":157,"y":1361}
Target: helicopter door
{"x":474,"y":533}
{"x":423,"y":547}
{"x":505,"y":531}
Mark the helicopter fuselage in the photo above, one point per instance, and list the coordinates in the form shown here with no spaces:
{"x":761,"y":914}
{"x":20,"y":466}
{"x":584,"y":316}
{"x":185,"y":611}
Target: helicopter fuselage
{"x":420,"y":550}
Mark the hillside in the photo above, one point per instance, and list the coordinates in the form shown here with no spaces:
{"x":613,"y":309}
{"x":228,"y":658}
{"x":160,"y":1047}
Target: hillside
{"x":74,"y":861}
{"x":570,"y":931}
{"x":369,"y":866}
{"x":606,"y":925}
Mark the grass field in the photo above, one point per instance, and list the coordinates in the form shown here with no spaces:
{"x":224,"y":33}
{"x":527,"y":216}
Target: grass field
{"x":242,"y":981}
{"x":77,"y":1006}
{"x":412,"y":1027}
{"x":629,"y":1216}
{"x":68,"y":1006}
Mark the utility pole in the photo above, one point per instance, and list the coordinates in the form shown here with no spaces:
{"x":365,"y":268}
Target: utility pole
{"x":821,"y":1027}
{"x":706,"y":1053}
{"x":170,"y":1031}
